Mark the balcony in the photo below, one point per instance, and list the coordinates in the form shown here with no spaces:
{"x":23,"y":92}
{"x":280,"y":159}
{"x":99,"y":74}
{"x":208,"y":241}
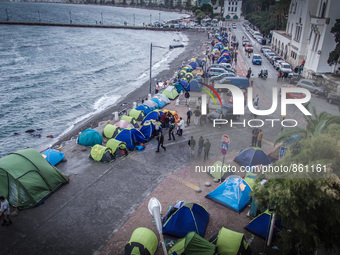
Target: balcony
{"x":319,"y":21}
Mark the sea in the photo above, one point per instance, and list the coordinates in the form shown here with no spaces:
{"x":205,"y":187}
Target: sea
{"x":52,"y":78}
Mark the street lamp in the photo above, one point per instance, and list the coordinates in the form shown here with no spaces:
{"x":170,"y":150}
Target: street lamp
{"x":151,"y":62}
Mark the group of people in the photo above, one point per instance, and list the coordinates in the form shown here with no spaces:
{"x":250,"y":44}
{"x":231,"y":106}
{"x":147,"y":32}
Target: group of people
{"x":202,"y":146}
{"x":282,"y":75}
{"x":257,"y":136}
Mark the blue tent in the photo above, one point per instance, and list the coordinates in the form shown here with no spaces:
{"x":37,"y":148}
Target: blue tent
{"x":260,"y":224}
{"x":90,"y":137}
{"x":223,"y":59}
{"x":232,"y":193}
{"x":199,"y":61}
{"x":146,"y":109}
{"x":53,"y":156}
{"x":159,"y":101}
{"x":194,"y":65}
{"x":194,"y":85}
{"x":184,"y":218}
{"x":130,"y":136}
{"x":154,"y":115}
{"x":225,"y":51}
{"x":225,"y":40}
{"x":183,"y":82}
{"x":252,"y":156}
{"x":179,"y":87}
{"x":147,"y":130}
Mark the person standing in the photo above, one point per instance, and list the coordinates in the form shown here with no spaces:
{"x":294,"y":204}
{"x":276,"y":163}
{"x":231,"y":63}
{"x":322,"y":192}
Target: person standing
{"x":180,"y":126}
{"x":171,"y":131}
{"x":187,"y":96}
{"x":192,"y":144}
{"x":255,"y":134}
{"x":200,"y":145}
{"x":157,"y":88}
{"x":160,"y":139}
{"x":206,"y":146}
{"x":5,"y":211}
{"x":189,"y":113}
{"x":197,"y":113}
{"x":259,"y":140}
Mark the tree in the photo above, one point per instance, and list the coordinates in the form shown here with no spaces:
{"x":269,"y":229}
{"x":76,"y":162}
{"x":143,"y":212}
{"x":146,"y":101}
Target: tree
{"x":335,"y":54}
{"x":207,"y":9}
{"x":199,"y":16}
{"x":308,"y":203}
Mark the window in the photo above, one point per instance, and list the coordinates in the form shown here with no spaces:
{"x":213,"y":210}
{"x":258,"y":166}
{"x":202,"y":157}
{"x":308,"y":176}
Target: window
{"x":235,"y":9}
{"x":298,"y":31}
{"x":228,"y":9}
{"x":232,"y":9}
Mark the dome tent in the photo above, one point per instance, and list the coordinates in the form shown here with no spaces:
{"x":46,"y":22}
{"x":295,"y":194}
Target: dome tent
{"x":53,"y":156}
{"x":147,"y":130}
{"x":130,"y":119}
{"x":118,"y":148}
{"x":146,"y":109}
{"x":154,"y":115}
{"x":90,"y":137}
{"x":110,"y":131}
{"x":26,"y":178}
{"x":170,"y":92}
{"x":252,"y":156}
{"x":131,"y":137}
{"x":102,"y":154}
{"x":143,"y":241}
{"x":163,"y":97}
{"x":123,"y":124}
{"x":137,"y":114}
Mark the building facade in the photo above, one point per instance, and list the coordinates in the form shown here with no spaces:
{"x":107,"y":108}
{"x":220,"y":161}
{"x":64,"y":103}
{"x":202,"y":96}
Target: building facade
{"x":307,"y":38}
{"x":232,"y":9}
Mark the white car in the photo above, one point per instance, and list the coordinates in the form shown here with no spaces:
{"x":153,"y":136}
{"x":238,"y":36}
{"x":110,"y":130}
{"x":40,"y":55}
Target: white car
{"x":277,"y":64}
{"x":226,"y":65}
{"x":285,"y":67}
{"x":265,"y":52}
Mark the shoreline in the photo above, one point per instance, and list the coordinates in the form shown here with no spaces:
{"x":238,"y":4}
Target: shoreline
{"x":195,"y":45}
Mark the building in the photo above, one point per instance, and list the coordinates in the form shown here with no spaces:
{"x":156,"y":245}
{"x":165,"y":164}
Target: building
{"x":232,"y":9}
{"x":307,"y":38}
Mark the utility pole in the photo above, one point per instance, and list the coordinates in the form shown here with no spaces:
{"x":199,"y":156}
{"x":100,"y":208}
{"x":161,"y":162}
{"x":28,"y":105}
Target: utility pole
{"x":150,"y":64}
{"x":102,"y":17}
{"x":39,"y":15}
{"x":70,"y":18}
{"x":7,"y":14}
{"x":150,"y":18}
{"x":134,"y":20}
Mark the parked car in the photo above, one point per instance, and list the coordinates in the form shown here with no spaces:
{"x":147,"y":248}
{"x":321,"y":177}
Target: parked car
{"x":257,"y":59}
{"x":312,"y":86}
{"x":213,"y":71}
{"x":271,"y":55}
{"x":244,"y":42}
{"x":277,"y":63}
{"x":333,"y":99}
{"x":226,"y":65}
{"x":272,"y":60}
{"x":285,"y":67}
{"x":227,"y":113}
{"x":221,"y":76}
{"x":241,"y":82}
{"x":294,"y":78}
{"x":249,"y":48}
{"x":265,"y":48}
{"x":265,"y":52}
{"x":230,"y":70}
{"x":291,"y":95}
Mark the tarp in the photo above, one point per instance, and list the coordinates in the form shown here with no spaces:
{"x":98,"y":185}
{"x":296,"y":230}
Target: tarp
{"x":131,"y":137}
{"x":188,"y":217}
{"x":152,"y":105}
{"x":252,"y":156}
{"x":26,"y":178}
{"x":130,"y":119}
{"x":137,"y":114}
{"x":192,"y":244}
{"x":118,"y":148}
{"x":147,"y":130}
{"x":123,"y":124}
{"x":53,"y":156}
{"x":170,"y":92}
{"x":158,"y":101}
{"x":143,"y":241}
{"x":230,"y":243}
{"x":110,"y":131}
{"x":146,"y":109}
{"x":102,"y":154}
{"x":154,"y":115}
{"x":233,"y":193}
{"x":163,"y":97}
{"x":90,"y":137}
{"x":179,"y":87}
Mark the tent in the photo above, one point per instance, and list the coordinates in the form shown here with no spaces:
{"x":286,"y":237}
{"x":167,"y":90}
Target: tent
{"x":154,"y":115}
{"x":146,"y":109}
{"x":102,"y":154}
{"x":163,"y":97}
{"x":230,"y":243}
{"x":184,"y":218}
{"x":152,"y":105}
{"x":233,"y":193}
{"x":53,"y":156}
{"x":192,"y":244}
{"x":110,"y":131}
{"x":170,"y":92}
{"x":215,"y":171}
{"x":184,"y":82}
{"x":189,"y":77}
{"x":194,"y":65}
{"x":179,"y":87}
{"x":159,"y":102}
{"x":147,"y":130}
{"x":250,"y":179}
{"x":174,"y":113}
{"x":123,"y":124}
{"x":90,"y":137}
{"x":137,"y":114}
{"x":131,"y":137}
{"x":26,"y":178}
{"x":118,"y":148}
{"x":194,"y":85}
{"x":260,"y":225}
{"x":130,"y":119}
{"x":182,"y":73}
{"x":143,"y":241}
{"x":252,"y":156}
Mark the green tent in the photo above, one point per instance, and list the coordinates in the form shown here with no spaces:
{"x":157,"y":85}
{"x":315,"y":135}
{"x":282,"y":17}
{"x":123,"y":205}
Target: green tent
{"x":110,"y":131}
{"x":170,"y":92}
{"x":138,"y":115}
{"x":118,"y":148}
{"x":102,"y":154}
{"x":130,"y":119}
{"x":192,"y":243}
{"x":250,"y":179}
{"x":215,"y":170}
{"x":26,"y":178}
{"x":230,"y":243}
{"x":143,"y":241}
